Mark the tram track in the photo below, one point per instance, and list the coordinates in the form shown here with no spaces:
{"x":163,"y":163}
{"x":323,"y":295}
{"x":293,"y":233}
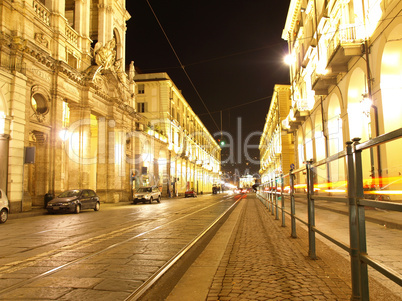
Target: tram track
{"x":139,"y":292}
{"x":107,"y":243}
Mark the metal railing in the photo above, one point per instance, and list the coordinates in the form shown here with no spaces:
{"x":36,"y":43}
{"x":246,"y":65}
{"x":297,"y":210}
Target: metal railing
{"x":355,"y":200}
{"x":344,"y":34}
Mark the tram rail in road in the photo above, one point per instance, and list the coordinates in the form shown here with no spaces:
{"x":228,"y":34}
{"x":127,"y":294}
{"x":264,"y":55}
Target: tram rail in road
{"x":79,"y":256}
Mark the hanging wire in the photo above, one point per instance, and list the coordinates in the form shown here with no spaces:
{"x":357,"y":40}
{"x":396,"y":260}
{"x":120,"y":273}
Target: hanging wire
{"x":181,"y":65}
{"x":238,"y":106}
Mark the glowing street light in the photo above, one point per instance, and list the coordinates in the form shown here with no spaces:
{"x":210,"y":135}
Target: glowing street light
{"x":289,"y":59}
{"x":64,"y":134}
{"x":366,"y":104}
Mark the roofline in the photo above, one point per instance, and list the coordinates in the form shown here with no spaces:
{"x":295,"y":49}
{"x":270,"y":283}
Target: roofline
{"x":291,"y":18}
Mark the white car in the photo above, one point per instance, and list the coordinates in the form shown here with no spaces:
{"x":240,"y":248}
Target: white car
{"x":5,"y":207}
{"x":147,"y":194}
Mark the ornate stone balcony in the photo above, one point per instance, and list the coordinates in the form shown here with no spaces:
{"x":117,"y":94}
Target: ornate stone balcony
{"x":41,"y":12}
{"x":345,"y":44}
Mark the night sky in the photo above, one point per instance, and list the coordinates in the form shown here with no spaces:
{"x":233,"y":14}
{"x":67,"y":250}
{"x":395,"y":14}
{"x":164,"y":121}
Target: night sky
{"x":232,"y":52}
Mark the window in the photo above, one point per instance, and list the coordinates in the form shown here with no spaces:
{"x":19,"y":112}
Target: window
{"x":141,"y":107}
{"x":141,"y":89}
{"x":39,"y":104}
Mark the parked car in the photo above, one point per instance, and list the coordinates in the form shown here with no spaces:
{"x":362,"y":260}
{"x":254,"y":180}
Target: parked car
{"x":190,"y":193}
{"x":4,"y":207}
{"x":74,"y":200}
{"x":147,"y":195}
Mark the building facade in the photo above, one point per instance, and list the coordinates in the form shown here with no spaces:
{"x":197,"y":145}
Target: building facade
{"x":276,"y":145}
{"x":67,"y":106}
{"x":192,"y":156}
{"x":68,"y":112}
{"x":345,"y":72}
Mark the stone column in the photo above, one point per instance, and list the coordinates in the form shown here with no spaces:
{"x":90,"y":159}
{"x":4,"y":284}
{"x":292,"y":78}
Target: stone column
{"x":58,"y":7}
{"x":82,"y":23}
{"x":111,"y":171}
{"x":105,"y":23}
{"x":58,"y":22}
{"x":117,"y":166}
{"x":103,"y":153}
{"x":3,"y":161}
{"x":79,"y":17}
{"x":18,"y":99}
{"x":58,"y":147}
{"x":79,"y":146}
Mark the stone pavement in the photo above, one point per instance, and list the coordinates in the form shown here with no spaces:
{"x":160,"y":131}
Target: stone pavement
{"x":253,"y":258}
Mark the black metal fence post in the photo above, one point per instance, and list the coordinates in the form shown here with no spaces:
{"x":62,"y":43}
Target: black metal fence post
{"x":361,"y":222}
{"x":353,"y":230}
{"x":272,"y":196}
{"x":282,"y":202}
{"x":310,"y":212}
{"x":292,"y":203}
{"x":276,"y":198}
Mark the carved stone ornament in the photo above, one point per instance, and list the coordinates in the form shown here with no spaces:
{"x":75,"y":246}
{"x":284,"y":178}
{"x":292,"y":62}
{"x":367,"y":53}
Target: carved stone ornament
{"x":131,"y":72}
{"x":39,"y":102}
{"x":37,"y":136}
{"x":105,"y":56}
{"x":41,"y":39}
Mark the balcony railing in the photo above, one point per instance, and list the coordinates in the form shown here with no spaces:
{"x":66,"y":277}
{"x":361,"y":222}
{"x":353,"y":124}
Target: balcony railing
{"x":302,"y":105}
{"x":72,"y":35}
{"x":42,"y":12}
{"x":344,"y":35}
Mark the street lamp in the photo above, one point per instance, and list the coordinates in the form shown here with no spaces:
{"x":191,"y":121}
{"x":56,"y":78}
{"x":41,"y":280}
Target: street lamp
{"x":366,"y":103}
{"x":64,"y":135}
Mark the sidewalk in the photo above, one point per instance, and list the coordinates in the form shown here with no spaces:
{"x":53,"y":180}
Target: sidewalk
{"x":253,"y":258}
{"x":39,"y":210}
{"x":390,"y":219}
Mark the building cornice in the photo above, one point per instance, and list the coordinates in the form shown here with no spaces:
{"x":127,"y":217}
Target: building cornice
{"x":291,"y":19}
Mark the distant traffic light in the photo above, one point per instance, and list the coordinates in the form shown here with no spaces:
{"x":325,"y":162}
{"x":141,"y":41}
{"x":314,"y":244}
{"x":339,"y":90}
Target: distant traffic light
{"x":222,"y":143}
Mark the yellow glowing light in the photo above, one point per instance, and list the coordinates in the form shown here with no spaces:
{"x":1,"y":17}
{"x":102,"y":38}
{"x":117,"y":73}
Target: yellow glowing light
{"x":391,"y":59}
{"x":64,"y":134}
{"x":392,"y":192}
{"x":289,"y":59}
{"x":2,"y":122}
{"x":118,"y":153}
{"x":366,"y":104}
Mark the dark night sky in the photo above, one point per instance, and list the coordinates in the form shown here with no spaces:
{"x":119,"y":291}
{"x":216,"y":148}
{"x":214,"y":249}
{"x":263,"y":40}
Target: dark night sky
{"x":231,"y":50}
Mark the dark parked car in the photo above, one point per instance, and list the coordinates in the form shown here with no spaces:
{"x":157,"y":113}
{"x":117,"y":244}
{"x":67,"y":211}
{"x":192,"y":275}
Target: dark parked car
{"x":190,"y":193}
{"x":74,"y":200}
